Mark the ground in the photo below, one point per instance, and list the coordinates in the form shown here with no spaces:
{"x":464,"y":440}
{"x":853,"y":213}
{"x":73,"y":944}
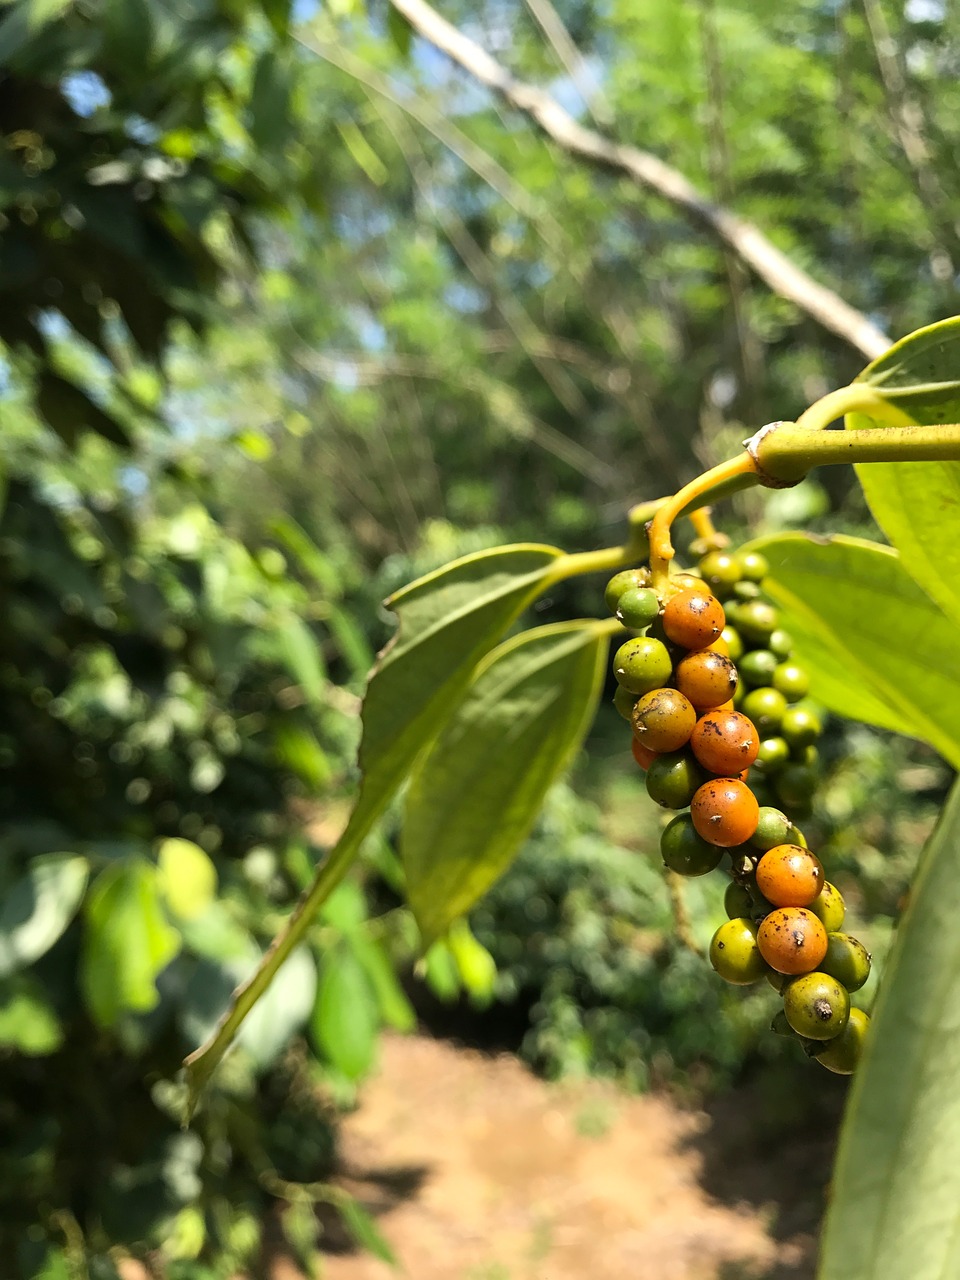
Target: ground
{"x":477,"y":1170}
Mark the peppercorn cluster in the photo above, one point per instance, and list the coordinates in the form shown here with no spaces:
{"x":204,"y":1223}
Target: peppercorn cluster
{"x":724,"y":734}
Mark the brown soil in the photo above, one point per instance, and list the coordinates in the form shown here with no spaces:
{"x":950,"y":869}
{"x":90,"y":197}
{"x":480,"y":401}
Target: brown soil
{"x":477,"y":1170}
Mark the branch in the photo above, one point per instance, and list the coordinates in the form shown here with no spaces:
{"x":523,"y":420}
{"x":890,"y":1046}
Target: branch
{"x":647,"y":170}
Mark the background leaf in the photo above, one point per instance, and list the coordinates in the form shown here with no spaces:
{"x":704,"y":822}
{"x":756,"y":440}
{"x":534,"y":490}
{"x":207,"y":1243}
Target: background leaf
{"x":916,"y":504}
{"x":38,"y":908}
{"x":878,"y":649}
{"x":895,"y":1209}
{"x":365,"y":1231}
{"x":283,"y":1010}
{"x":477,"y":792}
{"x":187,"y":878}
{"x":345,"y":1019}
{"x":127,"y":942}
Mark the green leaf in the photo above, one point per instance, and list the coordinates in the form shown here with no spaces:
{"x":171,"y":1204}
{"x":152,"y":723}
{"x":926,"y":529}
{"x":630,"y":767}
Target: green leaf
{"x":39,"y":907}
{"x":28,"y":1023}
{"x":23,"y":21}
{"x":895,"y":1208}
{"x":916,"y":503}
{"x":400,"y":31}
{"x":270,"y":102}
{"x":188,"y":879}
{"x":127,"y":942}
{"x":345,"y":1020}
{"x":448,"y":621}
{"x":278,"y":15}
{"x":301,"y":653}
{"x":475,"y":965}
{"x":365,"y":1231}
{"x":284,"y":1009}
{"x":878,"y":649}
{"x":395,"y":1009}
{"x":477,"y":791}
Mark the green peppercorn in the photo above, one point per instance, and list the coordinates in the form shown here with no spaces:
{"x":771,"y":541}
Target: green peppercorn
{"x":766,"y":708}
{"x":686,"y":852}
{"x":780,"y":643}
{"x":828,"y":906}
{"x":772,"y":755}
{"x":817,"y":1006}
{"x":756,"y":621}
{"x":773,"y":828}
{"x":734,"y":953}
{"x":737,"y":901}
{"x":625,"y":580}
{"x":721,"y":572}
{"x":731,"y":636}
{"x":642,"y":664}
{"x":758,"y":667}
{"x":624,"y":701}
{"x":672,"y":779}
{"x":638,"y":607}
{"x":842,"y":1054}
{"x":800,"y":726}
{"x":847,"y":960}
{"x":753,"y":565}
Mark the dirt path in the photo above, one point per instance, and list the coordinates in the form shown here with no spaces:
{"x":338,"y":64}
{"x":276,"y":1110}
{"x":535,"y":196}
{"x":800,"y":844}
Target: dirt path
{"x":476,"y":1170}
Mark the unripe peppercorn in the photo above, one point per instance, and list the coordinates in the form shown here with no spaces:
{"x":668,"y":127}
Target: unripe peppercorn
{"x":766,"y":708}
{"x":780,"y":643}
{"x":829,"y":908}
{"x":773,"y":828}
{"x":817,"y":1006}
{"x":800,"y":726}
{"x":847,"y":960}
{"x":734,"y":953}
{"x":737,"y":900}
{"x":842,"y":1054}
{"x":684,"y":852}
{"x":731,"y":638}
{"x":693,"y":618}
{"x":758,"y":667}
{"x":792,"y":940}
{"x":642,"y":664}
{"x":624,"y":701}
{"x":791,"y":679}
{"x":724,"y":811}
{"x":772,"y":755}
{"x":756,"y":621}
{"x":673,"y":779}
{"x":753,"y":565}
{"x":663,"y":720}
{"x":625,"y":580}
{"x":720,"y":572}
{"x":638,"y":607}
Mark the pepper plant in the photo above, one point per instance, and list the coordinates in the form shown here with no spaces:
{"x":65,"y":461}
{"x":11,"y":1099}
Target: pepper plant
{"x":477,"y":719}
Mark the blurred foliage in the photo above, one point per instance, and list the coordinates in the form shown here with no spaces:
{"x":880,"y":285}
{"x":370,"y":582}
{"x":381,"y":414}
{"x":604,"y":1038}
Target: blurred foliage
{"x":290,"y":314}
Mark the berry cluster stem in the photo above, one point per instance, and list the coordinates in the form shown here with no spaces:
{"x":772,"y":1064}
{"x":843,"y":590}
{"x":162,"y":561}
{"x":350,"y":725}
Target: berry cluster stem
{"x":697,"y":493}
{"x":786,"y":451}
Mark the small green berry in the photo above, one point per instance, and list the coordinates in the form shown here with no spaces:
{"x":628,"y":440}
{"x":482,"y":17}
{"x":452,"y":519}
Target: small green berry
{"x":734,"y":953}
{"x":753,"y":565}
{"x":737,"y":901}
{"x":800,"y":726}
{"x":773,"y":755}
{"x":721,"y":572}
{"x":817,"y":1006}
{"x":847,"y":960}
{"x":625,"y":580}
{"x":758,"y":667}
{"x":765,"y":707}
{"x":638,"y":607}
{"x":843,"y":1054}
{"x":780,"y":643}
{"x":829,"y":908}
{"x":746,"y":590}
{"x":731,"y":636}
{"x":624,"y":701}
{"x":642,"y":664}
{"x":791,"y":679}
{"x":685,"y":852}
{"x":673,"y":778}
{"x":795,"y":785}
{"x":773,"y":828}
{"x":757,"y":620}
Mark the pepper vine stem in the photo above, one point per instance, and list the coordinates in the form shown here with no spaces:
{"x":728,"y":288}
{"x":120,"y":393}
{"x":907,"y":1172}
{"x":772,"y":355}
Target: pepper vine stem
{"x":785,"y":452}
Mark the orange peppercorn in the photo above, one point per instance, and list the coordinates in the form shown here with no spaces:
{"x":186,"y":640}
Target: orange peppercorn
{"x":792,"y":940}
{"x":693,"y":618}
{"x":643,"y":756}
{"x":725,"y":742}
{"x":663,"y":720}
{"x":725,"y":812}
{"x":789,"y":876}
{"x":707,"y":678}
